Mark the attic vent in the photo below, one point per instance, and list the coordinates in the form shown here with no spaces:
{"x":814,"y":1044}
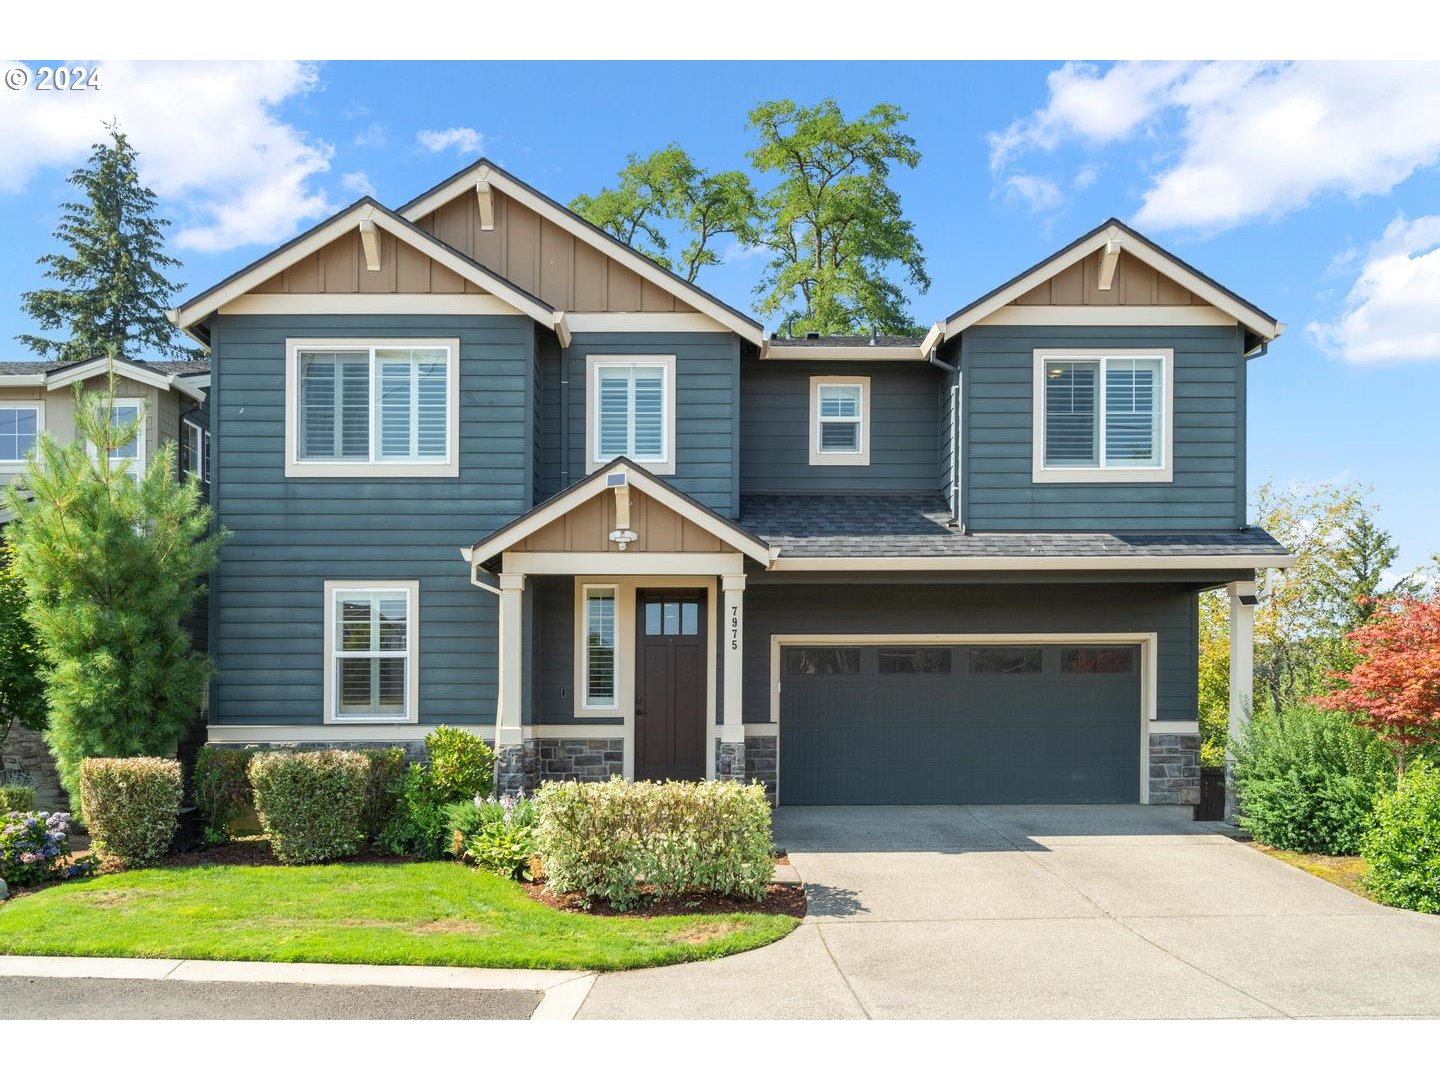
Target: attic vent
{"x":812,"y":335}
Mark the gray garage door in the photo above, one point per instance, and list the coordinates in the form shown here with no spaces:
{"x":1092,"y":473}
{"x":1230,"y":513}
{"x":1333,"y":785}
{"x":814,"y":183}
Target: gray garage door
{"x":894,"y":724}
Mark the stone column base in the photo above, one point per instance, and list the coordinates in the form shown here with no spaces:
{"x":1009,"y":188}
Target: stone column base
{"x":729,"y":760}
{"x":515,"y":768}
{"x":579,"y":759}
{"x":762,"y":761}
{"x":1175,"y":770}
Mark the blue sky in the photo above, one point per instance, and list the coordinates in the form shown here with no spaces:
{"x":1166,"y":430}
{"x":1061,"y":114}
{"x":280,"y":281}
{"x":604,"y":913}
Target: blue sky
{"x":1310,"y":189}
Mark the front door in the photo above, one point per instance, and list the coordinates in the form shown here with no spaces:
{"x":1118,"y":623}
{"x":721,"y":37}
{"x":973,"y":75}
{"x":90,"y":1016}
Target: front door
{"x":670,"y":673}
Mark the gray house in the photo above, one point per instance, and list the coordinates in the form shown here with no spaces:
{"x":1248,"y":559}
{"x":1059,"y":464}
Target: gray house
{"x":486,"y":466}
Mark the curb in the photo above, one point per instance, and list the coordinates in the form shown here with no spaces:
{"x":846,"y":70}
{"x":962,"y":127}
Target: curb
{"x":563,"y":991}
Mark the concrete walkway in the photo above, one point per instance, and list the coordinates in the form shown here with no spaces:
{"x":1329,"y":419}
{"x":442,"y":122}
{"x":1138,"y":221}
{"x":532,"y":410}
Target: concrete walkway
{"x":1049,"y":912}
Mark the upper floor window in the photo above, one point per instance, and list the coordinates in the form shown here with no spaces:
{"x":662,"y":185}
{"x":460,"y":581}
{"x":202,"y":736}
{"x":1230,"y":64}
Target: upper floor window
{"x":194,"y":451}
{"x":839,"y":420}
{"x":129,"y":458}
{"x":630,"y":410}
{"x":1103,"y":416}
{"x":384,"y":408}
{"x":19,"y":427}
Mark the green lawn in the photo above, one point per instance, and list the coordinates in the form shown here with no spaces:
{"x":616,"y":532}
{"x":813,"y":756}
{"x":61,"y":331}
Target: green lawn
{"x":396,"y":913}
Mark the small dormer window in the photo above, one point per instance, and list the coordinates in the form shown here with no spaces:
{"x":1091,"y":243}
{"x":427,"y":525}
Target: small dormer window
{"x":839,"y":420}
{"x":1103,"y":416}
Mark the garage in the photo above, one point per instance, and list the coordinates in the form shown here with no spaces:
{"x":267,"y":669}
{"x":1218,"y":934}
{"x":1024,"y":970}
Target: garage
{"x":898,"y":723}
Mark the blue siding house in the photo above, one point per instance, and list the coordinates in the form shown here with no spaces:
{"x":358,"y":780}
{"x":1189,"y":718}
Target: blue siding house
{"x":486,"y":466}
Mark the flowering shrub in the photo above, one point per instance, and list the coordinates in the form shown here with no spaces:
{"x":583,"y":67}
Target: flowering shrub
{"x":131,"y":806}
{"x":311,"y":804}
{"x":610,"y":841}
{"x":32,"y":845}
{"x":497,"y":835}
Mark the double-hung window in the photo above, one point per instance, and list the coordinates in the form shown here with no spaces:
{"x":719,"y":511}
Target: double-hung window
{"x":598,"y":659}
{"x":19,"y":428}
{"x":372,"y":408}
{"x":371,"y":645}
{"x":1103,"y":416}
{"x":130,"y":457}
{"x":630,"y":411}
{"x":194,"y":450}
{"x":839,"y":420}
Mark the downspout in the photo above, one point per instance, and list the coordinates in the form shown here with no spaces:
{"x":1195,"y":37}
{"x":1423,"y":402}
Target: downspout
{"x":564,"y":419}
{"x":955,"y":429}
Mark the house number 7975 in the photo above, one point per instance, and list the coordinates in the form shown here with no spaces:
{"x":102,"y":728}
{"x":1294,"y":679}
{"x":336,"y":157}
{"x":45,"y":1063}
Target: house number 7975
{"x":734,"y":627}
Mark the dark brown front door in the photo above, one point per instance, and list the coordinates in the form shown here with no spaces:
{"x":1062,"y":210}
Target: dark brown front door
{"x":670,"y":684}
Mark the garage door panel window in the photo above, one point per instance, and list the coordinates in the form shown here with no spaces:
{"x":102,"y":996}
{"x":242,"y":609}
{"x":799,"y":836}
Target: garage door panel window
{"x":1097,"y":661}
{"x":820,"y":661}
{"x":914,"y":661}
{"x":1005,"y":661}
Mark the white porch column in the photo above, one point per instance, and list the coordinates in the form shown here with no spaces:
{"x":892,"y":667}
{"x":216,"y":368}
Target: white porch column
{"x":731,"y":762}
{"x":510,"y":661}
{"x":1242,"y":673}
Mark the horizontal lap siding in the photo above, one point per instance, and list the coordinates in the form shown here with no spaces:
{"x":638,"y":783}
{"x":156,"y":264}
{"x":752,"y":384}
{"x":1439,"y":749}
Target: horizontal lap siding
{"x":1170,"y":611}
{"x":1209,"y":479}
{"x":707,"y":368}
{"x":291,"y":535}
{"x":775,"y":428}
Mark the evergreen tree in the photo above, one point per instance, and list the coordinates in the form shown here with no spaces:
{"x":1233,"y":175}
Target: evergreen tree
{"x":110,"y":565}
{"x":22,"y":693}
{"x":111,"y":291}
{"x":1365,"y":553}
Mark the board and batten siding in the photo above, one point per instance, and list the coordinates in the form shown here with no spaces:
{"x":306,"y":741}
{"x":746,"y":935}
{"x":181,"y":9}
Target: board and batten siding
{"x":775,"y":428}
{"x":290,"y":535}
{"x":1208,"y":490}
{"x":707,"y":406}
{"x":1168,"y":610}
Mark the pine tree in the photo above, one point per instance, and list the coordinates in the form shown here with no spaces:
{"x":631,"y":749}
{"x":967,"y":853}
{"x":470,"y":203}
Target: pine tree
{"x":111,"y":291}
{"x":110,"y":565}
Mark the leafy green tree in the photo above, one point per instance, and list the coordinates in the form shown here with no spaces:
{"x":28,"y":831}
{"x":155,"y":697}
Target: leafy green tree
{"x":833,"y":223}
{"x":665,"y":193}
{"x":22,"y":694}
{"x":111,"y":291}
{"x":110,"y":565}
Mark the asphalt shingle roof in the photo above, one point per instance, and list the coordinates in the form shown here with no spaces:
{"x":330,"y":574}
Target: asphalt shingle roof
{"x":914,"y":526}
{"x":40,"y":367}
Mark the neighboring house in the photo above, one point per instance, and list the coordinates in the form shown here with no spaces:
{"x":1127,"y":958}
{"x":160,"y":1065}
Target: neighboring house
{"x":486,"y":466}
{"x":39,"y":395}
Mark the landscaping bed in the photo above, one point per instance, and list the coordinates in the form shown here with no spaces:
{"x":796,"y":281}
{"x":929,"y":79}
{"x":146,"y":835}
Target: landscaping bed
{"x":779,"y":900}
{"x":232,"y":903}
{"x":1346,"y":871}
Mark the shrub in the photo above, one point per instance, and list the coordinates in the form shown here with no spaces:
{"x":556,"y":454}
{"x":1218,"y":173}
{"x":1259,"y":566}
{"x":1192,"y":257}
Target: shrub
{"x":1403,"y":846}
{"x":613,"y":841}
{"x":497,"y":835}
{"x":311,"y":804}
{"x":131,"y":806}
{"x":382,"y":793}
{"x":16,"y":798}
{"x":420,"y":824}
{"x":1307,"y":780}
{"x":31,"y":846}
{"x":461,"y":765}
{"x":222,"y":790}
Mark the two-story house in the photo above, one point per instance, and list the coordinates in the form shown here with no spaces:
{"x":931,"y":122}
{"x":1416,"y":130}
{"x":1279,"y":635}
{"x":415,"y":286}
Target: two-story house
{"x":487,"y":466}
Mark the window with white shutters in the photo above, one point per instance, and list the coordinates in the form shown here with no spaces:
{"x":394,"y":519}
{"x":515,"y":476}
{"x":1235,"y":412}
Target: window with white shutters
{"x":839,"y":424}
{"x":599,"y":657}
{"x":630,"y":408}
{"x":371,"y":654}
{"x":1105,"y":414}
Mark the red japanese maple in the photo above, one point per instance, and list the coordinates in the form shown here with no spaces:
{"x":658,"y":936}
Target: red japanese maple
{"x":1395,"y":686}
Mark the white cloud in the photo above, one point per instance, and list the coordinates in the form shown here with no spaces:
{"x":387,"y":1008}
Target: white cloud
{"x":1250,"y":140}
{"x":462,"y":140}
{"x":1086,"y":176}
{"x":372,"y":136}
{"x":229,"y":171}
{"x":1037,"y":192}
{"x":1390,"y":312}
{"x":357,"y":183}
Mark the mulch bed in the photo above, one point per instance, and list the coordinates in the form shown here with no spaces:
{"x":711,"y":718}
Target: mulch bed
{"x":779,"y":900}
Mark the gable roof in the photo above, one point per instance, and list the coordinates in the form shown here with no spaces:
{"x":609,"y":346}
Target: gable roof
{"x":1206,"y":288}
{"x":176,"y":375}
{"x":485,"y":170}
{"x":582,"y":491}
{"x":202,"y":306}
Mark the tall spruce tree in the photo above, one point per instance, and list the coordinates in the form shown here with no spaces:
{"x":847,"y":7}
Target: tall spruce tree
{"x":111,"y":291}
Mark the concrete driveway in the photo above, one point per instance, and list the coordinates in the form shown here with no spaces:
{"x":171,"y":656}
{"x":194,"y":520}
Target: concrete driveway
{"x":1035,"y":912}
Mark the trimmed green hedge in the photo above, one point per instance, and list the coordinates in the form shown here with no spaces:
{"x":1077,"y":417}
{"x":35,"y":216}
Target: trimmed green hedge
{"x":616,"y":840}
{"x":1403,"y":847}
{"x":222,"y":790}
{"x":16,"y":799}
{"x":311,"y":805}
{"x":382,"y":793}
{"x":131,"y":806}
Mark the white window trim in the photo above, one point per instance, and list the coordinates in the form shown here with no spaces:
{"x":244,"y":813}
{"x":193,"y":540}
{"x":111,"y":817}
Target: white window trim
{"x":199,"y":472}
{"x":412,"y":633}
{"x":39,"y":407}
{"x":450,"y":466}
{"x":136,"y":468}
{"x":594,"y":461}
{"x":583,"y":704}
{"x":830,"y":457}
{"x":1163,"y":473}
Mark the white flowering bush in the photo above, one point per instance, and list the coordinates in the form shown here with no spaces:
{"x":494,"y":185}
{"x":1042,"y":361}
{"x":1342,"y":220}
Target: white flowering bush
{"x":622,"y":840}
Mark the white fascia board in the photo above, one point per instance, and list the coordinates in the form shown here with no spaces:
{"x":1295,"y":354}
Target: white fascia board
{"x":1038,"y":562}
{"x":933,"y":339}
{"x":608,"y":245}
{"x":136,"y":372}
{"x":38,"y":379}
